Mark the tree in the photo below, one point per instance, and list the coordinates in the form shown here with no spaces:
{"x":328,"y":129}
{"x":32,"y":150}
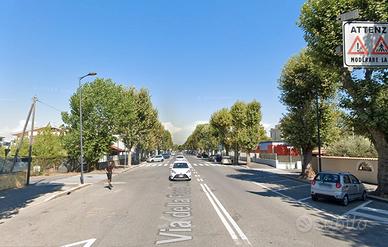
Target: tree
{"x":221,"y":121}
{"x":365,"y":90}
{"x":47,"y":144}
{"x":99,"y":101}
{"x":167,"y":143}
{"x":352,"y":146}
{"x":301,"y":83}
{"x":246,"y":131}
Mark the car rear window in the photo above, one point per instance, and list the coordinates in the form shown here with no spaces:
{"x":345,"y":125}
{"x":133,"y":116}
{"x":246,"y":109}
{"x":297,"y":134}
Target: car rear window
{"x":327,"y":178}
{"x":180,"y":165}
{"x":180,"y":157}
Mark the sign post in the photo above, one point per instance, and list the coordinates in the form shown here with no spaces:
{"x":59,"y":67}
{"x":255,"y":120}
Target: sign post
{"x":365,"y":44}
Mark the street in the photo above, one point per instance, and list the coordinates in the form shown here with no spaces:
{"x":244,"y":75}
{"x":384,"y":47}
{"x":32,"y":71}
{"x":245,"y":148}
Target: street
{"x":221,"y":206}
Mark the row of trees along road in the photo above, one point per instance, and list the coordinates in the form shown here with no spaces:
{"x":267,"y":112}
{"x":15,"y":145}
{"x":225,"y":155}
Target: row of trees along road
{"x":238,"y":128}
{"x":111,"y":111}
{"x":318,"y":70}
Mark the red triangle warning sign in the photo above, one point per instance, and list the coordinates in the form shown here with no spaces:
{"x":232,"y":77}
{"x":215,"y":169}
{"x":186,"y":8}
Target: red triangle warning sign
{"x":381,"y":48}
{"x":358,"y":47}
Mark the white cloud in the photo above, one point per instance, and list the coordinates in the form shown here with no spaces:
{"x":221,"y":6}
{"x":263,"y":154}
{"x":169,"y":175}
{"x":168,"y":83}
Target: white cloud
{"x":267,"y":127}
{"x":180,"y":134}
{"x":171,"y":127}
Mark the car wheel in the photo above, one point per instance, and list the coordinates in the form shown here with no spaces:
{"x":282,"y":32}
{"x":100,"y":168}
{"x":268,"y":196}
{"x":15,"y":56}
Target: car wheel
{"x":314,"y":198}
{"x":345,"y":200}
{"x":364,"y":197}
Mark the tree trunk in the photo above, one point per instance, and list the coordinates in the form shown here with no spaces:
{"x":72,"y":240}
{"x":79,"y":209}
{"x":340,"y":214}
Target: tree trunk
{"x":235,"y":160}
{"x":307,"y":169}
{"x":248,"y":158}
{"x":381,"y":145}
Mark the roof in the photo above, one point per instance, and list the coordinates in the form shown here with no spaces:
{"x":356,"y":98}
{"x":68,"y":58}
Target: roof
{"x":113,"y":147}
{"x":37,"y":129}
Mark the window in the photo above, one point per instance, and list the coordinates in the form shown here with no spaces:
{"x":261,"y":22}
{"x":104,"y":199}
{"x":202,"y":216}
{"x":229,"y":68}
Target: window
{"x":330,"y":178}
{"x":181,"y":165}
{"x":354,"y":179}
{"x":346,"y":179}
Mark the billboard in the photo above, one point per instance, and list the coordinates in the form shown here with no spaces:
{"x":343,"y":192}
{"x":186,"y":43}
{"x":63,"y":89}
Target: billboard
{"x":365,"y":44}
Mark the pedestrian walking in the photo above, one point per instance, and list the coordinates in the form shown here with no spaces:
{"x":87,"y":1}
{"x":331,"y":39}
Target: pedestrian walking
{"x":109,"y":171}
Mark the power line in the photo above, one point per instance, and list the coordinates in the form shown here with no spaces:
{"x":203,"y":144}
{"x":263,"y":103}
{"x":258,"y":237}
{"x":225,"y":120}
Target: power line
{"x":48,"y":105}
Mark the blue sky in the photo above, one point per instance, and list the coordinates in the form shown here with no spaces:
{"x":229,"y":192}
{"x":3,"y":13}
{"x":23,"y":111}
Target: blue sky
{"x":194,"y":56}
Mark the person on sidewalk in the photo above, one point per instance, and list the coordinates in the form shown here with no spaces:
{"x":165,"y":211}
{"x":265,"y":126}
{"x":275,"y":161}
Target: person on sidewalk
{"x":109,"y":171}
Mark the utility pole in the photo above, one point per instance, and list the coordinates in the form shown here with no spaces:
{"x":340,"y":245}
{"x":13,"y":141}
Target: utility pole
{"x":31,"y":139}
{"x":21,"y":139}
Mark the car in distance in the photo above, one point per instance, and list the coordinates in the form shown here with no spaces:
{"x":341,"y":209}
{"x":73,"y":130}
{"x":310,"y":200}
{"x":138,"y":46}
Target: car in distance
{"x":180,"y":170}
{"x":226,"y":160}
{"x":166,"y":155}
{"x":156,"y":158}
{"x":180,"y":157}
{"x":340,"y":186}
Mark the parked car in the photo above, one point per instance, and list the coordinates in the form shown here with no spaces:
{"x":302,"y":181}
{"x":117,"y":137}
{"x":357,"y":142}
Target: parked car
{"x":199,"y":155}
{"x":156,"y":158}
{"x":180,"y":170}
{"x":205,"y":155}
{"x":226,"y":160}
{"x":166,"y":155}
{"x":212,"y":158}
{"x":218,"y":158}
{"x":340,"y":186}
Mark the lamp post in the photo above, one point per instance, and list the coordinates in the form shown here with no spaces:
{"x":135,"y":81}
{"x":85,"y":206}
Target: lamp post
{"x":80,"y":124}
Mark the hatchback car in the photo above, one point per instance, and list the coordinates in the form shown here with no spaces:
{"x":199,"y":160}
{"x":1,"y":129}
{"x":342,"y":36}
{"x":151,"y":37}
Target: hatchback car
{"x":226,"y":160}
{"x":180,"y":158}
{"x":339,"y":186}
{"x":156,"y":158}
{"x":180,"y":170}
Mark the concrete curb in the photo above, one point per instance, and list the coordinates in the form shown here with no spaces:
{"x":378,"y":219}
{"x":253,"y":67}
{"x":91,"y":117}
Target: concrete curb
{"x":67,"y":192}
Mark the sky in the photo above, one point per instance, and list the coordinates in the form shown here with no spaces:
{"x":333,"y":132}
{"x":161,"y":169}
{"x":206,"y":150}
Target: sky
{"x":195,"y":56}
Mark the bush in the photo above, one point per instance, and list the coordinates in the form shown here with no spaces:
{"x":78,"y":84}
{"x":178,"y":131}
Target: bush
{"x":352,"y":146}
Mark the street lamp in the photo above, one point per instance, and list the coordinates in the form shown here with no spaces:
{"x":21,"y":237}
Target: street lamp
{"x":80,"y":123}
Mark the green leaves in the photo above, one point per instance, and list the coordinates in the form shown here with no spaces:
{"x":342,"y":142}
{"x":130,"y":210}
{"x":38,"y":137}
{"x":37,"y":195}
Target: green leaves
{"x":238,"y":127}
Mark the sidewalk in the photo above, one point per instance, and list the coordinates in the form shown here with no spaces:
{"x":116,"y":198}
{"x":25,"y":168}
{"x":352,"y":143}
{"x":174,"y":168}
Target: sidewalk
{"x":45,"y":188}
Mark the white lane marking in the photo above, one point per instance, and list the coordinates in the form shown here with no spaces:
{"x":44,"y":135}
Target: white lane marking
{"x":87,"y":243}
{"x":226,"y":224}
{"x":293,"y":187}
{"x":302,"y":203}
{"x":200,"y":164}
{"x":207,"y":164}
{"x":231,"y":220}
{"x":304,"y":199}
{"x":195,"y":164}
{"x":201,"y":180}
{"x":142,"y":165}
{"x":376,"y":210}
{"x":165,"y":164}
{"x":372,"y":217}
{"x":356,"y":208}
{"x":197,"y":179}
{"x":154,"y":164}
{"x":160,"y":164}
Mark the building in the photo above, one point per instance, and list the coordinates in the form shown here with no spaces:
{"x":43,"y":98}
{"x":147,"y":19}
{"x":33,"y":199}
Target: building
{"x":36,"y":131}
{"x":275,"y":133}
{"x":277,"y":147}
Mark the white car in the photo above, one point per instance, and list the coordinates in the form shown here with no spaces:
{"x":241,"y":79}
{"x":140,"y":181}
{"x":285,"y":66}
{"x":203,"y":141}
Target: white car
{"x":157,"y":158}
{"x":180,"y":170}
{"x":180,"y":158}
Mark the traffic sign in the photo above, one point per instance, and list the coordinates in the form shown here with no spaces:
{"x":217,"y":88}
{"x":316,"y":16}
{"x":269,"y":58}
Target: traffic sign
{"x":365,"y":44}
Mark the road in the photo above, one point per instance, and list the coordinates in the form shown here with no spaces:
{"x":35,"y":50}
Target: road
{"x":221,"y":206}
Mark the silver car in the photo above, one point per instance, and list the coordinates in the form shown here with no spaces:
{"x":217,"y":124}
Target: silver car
{"x":340,"y":186}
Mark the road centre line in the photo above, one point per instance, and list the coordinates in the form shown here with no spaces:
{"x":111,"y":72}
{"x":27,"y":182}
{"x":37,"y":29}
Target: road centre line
{"x":231,"y":220}
{"x":226,"y":224}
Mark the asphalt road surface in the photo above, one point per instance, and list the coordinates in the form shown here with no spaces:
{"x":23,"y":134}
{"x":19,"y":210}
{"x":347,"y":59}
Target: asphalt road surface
{"x":221,"y":206}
